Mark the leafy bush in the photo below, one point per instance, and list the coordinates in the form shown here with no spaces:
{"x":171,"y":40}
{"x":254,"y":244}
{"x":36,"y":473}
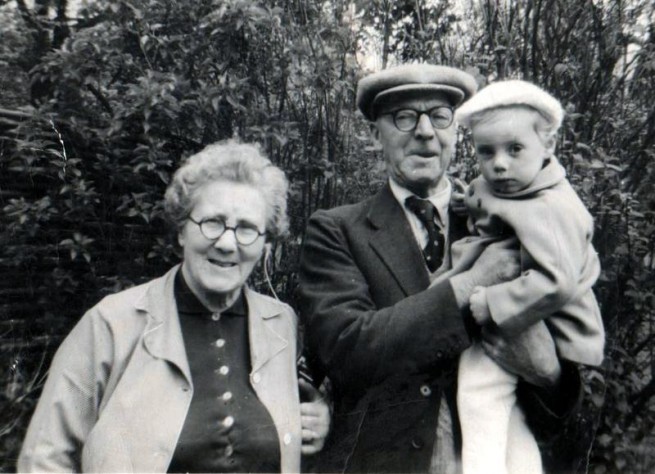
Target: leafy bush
{"x":128,"y":89}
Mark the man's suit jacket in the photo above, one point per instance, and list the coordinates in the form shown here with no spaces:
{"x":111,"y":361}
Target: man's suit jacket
{"x":388,"y":342}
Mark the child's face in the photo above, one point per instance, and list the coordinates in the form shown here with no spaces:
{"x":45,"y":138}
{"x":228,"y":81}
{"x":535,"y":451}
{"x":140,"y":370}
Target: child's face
{"x":510,"y":151}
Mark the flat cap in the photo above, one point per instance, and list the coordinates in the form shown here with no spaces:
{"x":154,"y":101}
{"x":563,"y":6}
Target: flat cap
{"x":508,"y":93}
{"x":413,"y":79}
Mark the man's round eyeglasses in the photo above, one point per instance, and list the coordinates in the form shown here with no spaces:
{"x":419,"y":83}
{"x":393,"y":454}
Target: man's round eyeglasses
{"x":406,"y":120}
{"x":213,"y":229}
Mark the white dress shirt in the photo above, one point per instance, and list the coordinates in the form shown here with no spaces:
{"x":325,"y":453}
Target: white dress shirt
{"x":441,"y":201}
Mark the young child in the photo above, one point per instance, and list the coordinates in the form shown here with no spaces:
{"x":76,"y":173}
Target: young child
{"x":523,"y":194}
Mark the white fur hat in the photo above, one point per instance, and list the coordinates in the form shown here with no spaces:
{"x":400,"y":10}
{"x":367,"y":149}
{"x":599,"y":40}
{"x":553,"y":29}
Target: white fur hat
{"x":514,"y":92}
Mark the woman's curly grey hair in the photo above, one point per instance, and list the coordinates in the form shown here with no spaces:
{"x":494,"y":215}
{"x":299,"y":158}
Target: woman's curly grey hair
{"x":234,"y":162}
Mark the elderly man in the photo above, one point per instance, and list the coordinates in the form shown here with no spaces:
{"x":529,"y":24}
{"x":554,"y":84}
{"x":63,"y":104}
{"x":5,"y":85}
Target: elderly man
{"x":389,"y":340}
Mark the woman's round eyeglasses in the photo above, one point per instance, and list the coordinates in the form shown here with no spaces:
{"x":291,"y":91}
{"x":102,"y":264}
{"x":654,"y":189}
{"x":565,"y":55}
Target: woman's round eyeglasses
{"x":213,"y":229}
{"x":406,"y":120}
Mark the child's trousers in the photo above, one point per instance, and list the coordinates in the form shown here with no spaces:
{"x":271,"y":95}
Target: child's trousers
{"x":495,"y":437}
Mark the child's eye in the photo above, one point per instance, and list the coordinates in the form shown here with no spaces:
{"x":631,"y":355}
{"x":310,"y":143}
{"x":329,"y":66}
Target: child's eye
{"x":484,"y":152}
{"x":515,"y":149}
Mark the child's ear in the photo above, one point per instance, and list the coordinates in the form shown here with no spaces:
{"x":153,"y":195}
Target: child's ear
{"x":375,"y":136}
{"x":550,"y":145}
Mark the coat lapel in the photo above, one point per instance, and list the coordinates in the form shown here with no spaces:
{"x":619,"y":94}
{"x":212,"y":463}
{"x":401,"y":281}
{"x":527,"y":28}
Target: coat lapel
{"x":163,"y":334}
{"x":394,"y":242}
{"x":265,"y":343}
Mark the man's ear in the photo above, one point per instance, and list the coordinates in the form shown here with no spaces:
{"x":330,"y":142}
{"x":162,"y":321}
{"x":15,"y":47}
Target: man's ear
{"x":375,"y":136}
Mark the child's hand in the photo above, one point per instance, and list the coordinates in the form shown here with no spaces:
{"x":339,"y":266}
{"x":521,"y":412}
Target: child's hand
{"x":457,"y":198}
{"x":479,"y":306}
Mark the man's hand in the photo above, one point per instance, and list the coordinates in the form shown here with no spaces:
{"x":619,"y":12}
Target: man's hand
{"x":315,"y":418}
{"x":531,"y":355}
{"x":457,"y":197}
{"x":498,"y":263}
{"x":479,"y":305}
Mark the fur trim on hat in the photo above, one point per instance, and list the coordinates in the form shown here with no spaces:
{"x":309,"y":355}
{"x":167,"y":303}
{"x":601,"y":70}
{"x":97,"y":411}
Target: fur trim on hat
{"x":508,"y":93}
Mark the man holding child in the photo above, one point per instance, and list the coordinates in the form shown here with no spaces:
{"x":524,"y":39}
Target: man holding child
{"x":385,"y":321}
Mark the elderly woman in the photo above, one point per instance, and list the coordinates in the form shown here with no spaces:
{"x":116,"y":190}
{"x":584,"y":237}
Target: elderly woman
{"x":192,"y":371}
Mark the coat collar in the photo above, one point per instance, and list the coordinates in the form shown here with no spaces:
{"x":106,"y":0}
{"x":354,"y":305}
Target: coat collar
{"x":265,"y":343}
{"x":163,"y":335}
{"x":393,"y":241}
{"x":548,"y":177}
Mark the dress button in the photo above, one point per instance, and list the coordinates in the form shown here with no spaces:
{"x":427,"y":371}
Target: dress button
{"x":224,"y":370}
{"x":227,"y":396}
{"x":287,"y":438}
{"x":220,"y":343}
{"x":228,"y":421}
{"x":256,"y":378}
{"x":417,"y":443}
{"x":229,"y":450}
{"x":216,"y":316}
{"x":426,"y":391}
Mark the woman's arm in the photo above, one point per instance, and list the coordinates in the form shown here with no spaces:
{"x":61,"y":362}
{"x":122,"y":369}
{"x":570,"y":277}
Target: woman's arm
{"x":68,"y":407}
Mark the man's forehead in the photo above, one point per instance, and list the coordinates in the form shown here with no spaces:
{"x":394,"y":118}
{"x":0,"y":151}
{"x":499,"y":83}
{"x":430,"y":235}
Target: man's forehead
{"x":413,"y":102}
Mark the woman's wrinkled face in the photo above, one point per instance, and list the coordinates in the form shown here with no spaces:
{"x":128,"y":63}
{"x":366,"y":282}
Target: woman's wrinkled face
{"x":218,"y":269}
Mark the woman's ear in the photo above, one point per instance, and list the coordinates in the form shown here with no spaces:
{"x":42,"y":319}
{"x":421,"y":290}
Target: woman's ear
{"x":180,"y":236}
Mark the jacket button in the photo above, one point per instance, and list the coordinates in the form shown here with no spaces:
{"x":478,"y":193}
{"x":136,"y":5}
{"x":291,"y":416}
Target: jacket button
{"x":256,"y":378}
{"x":417,"y":443}
{"x":228,"y":421}
{"x":287,"y":438}
{"x":426,"y":391}
{"x":229,"y":450}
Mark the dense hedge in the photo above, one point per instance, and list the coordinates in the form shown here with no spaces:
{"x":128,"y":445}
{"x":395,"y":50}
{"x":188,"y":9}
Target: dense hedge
{"x":129,"y":89}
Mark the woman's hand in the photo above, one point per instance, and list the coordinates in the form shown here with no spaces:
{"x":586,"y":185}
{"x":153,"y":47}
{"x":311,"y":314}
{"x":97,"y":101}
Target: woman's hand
{"x":315,"y":418}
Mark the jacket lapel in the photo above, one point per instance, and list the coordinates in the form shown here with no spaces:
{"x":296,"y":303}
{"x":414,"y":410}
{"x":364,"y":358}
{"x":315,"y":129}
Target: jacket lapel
{"x":163,"y":334}
{"x":265,"y":343}
{"x":457,"y":227}
{"x":395,"y":244}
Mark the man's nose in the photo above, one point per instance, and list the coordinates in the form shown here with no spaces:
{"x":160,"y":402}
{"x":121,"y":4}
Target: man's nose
{"x":424,"y":128}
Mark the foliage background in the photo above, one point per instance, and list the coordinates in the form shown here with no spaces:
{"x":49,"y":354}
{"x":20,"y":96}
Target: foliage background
{"x":100,"y":101}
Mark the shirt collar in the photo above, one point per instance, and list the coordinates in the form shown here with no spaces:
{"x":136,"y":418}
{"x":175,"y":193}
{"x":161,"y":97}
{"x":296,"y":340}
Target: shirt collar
{"x":188,"y":302}
{"x":440,"y":199}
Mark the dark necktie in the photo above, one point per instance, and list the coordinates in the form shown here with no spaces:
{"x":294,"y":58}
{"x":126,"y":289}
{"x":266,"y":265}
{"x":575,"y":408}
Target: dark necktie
{"x":425,"y":211}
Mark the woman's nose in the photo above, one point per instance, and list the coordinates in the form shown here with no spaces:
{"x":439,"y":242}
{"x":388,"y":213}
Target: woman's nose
{"x":227,"y":242}
{"x":424,"y":128}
